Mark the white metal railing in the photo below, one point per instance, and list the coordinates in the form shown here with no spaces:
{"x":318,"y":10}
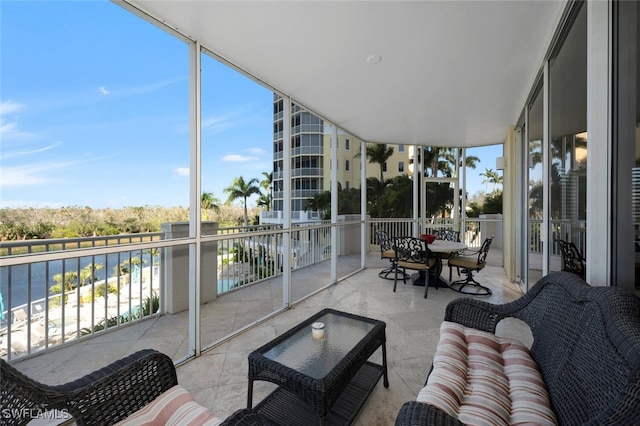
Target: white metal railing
{"x":561,"y":229}
{"x":476,"y":230}
{"x":296,"y":216}
{"x":107,"y":290}
{"x":52,"y":302}
{"x":109,"y":282}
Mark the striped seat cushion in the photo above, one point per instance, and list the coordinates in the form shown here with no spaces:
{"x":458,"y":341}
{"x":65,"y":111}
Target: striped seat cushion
{"x":482,"y":379}
{"x":174,"y":407}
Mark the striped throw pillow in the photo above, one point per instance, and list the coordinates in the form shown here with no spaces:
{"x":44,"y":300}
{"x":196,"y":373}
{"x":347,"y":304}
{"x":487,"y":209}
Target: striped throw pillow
{"x":174,"y":407}
{"x":482,"y":379}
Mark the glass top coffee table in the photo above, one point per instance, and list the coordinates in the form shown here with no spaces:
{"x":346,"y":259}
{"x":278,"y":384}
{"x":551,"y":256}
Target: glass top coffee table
{"x":324,"y":376}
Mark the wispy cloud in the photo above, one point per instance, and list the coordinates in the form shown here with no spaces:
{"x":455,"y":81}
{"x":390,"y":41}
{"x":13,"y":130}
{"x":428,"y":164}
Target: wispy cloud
{"x":218,"y":123}
{"x":181,"y":171}
{"x":9,"y":129}
{"x":104,"y":90}
{"x":237,"y":158}
{"x":31,"y":174}
{"x":9,"y":107}
{"x":5,"y":155}
{"x":150,"y":87}
{"x":254,"y":156}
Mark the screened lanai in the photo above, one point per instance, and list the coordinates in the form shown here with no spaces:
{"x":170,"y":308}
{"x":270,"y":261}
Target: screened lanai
{"x":410,"y":74}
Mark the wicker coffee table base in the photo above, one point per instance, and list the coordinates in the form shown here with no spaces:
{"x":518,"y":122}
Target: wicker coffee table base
{"x":284,"y":408}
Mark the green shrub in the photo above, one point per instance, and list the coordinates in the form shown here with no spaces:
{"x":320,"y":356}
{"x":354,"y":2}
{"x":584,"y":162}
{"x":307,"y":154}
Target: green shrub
{"x":150,"y":305}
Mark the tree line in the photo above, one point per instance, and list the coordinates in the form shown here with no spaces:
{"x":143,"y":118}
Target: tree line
{"x":75,"y":222}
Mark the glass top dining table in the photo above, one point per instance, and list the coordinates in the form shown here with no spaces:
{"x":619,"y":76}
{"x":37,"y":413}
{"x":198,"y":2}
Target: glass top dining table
{"x":446,"y":247}
{"x":442,"y":249}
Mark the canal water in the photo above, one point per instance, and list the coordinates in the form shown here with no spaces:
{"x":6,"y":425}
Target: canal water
{"x":17,"y":281}
{"x":40,"y":276}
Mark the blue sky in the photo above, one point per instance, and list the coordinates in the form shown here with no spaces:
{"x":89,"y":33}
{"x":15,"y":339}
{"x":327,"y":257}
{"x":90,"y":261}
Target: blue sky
{"x":94,"y":112}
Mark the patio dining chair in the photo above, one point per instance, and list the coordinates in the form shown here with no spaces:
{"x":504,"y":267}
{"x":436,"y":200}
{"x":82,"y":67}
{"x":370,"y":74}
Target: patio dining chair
{"x":448,"y":235}
{"x":475,"y":261}
{"x":386,"y":252}
{"x":412,"y":253}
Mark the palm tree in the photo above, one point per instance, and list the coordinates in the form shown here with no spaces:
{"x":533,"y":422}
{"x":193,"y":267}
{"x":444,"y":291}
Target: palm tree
{"x":378,"y":154}
{"x":265,"y":199}
{"x":321,"y":203}
{"x":87,"y":274}
{"x":443,"y":160}
{"x":491,"y":177}
{"x":434,"y":160}
{"x":241,"y":189}
{"x":208,"y":201}
{"x":69,"y":281}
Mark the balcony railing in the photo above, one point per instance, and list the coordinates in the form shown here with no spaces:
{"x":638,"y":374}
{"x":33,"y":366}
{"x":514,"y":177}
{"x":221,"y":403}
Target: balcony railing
{"x":563,"y":229}
{"x":306,"y":150}
{"x":51,"y":302}
{"x":86,"y":286}
{"x":307,"y":171}
{"x":73,"y":294}
{"x":475,"y":232}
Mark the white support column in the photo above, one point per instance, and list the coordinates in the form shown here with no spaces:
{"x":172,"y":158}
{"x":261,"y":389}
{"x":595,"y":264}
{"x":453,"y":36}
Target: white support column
{"x":463,"y":206}
{"x":286,"y":203}
{"x":599,"y":162}
{"x":363,"y":206}
{"x":546,"y":173}
{"x":195,"y":189}
{"x":520,"y":218}
{"x":423,"y":195}
{"x":334,"y":203}
{"x":524,"y":200}
{"x":417,"y":171}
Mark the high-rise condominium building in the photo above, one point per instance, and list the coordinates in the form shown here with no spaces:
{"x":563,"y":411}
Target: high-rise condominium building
{"x":310,"y":162}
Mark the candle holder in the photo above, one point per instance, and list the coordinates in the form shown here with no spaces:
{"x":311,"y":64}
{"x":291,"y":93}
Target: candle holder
{"x":317,"y":330}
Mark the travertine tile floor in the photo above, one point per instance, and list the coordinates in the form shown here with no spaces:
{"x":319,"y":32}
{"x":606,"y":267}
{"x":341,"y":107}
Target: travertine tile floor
{"x":218,"y":378}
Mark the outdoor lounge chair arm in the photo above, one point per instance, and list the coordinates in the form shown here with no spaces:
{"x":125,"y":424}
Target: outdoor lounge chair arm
{"x":415,"y":413}
{"x":475,"y":313}
{"x":20,"y":394}
{"x":102,"y":397}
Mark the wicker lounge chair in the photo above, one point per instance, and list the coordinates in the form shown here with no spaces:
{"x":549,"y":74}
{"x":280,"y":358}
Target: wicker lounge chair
{"x":104,"y":397}
{"x":586,"y":349}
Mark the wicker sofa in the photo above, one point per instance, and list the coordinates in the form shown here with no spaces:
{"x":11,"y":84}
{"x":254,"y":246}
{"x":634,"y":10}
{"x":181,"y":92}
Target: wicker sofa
{"x":113,"y":394}
{"x":586,"y":347}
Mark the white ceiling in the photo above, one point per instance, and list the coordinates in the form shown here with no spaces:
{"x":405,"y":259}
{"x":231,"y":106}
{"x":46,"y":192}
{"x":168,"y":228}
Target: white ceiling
{"x":453,"y":73}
